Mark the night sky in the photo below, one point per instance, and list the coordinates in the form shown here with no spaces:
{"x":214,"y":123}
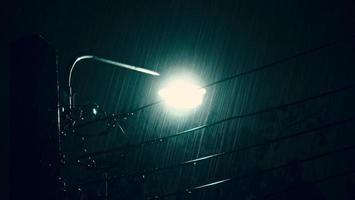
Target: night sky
{"x":209,"y":40}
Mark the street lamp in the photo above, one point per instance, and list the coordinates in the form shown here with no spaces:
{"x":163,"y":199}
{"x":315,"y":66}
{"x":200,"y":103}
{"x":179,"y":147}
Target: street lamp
{"x":107,"y":61}
{"x":179,"y":94}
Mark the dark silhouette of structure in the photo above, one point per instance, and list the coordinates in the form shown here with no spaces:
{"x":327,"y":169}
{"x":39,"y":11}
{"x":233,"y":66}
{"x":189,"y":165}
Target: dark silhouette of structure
{"x":33,"y":120}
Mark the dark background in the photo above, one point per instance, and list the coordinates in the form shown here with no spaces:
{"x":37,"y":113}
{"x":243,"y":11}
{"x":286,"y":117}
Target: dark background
{"x":212,"y":40}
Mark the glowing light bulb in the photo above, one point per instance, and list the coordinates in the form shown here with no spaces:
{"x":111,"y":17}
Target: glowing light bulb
{"x":182,"y":94}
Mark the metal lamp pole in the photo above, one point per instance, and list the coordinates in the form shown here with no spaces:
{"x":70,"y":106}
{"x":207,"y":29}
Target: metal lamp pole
{"x":107,"y":61}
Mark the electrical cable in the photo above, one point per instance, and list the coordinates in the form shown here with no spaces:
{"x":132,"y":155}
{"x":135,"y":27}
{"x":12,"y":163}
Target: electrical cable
{"x":157,"y":140}
{"x":260,"y":172}
{"x":193,"y":162}
{"x":317,"y":181}
{"x":257,"y":69}
{"x":192,"y":130}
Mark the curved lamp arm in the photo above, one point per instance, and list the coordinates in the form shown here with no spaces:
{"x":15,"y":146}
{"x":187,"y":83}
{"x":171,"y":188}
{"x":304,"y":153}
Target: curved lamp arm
{"x":107,"y":61}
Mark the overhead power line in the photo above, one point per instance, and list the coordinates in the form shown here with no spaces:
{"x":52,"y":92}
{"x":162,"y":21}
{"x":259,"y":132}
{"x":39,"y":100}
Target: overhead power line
{"x":192,"y":130}
{"x":264,"y":67}
{"x":316,"y":181}
{"x":251,"y":71}
{"x":260,"y":172}
{"x":193,"y":162}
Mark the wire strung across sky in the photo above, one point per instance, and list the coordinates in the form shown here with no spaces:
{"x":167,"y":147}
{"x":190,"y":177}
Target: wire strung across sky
{"x":193,"y":162}
{"x":193,"y":130}
{"x":263,"y":67}
{"x":257,"y":69}
{"x":270,"y":109}
{"x":116,"y":116}
{"x":260,"y":172}
{"x":317,"y":181}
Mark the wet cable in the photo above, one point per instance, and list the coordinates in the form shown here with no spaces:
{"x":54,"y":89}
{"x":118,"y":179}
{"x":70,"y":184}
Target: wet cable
{"x":245,"y":176}
{"x":193,"y":130}
{"x":193,"y":162}
{"x":270,"y":109}
{"x":257,"y":69}
{"x":316,"y":181}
